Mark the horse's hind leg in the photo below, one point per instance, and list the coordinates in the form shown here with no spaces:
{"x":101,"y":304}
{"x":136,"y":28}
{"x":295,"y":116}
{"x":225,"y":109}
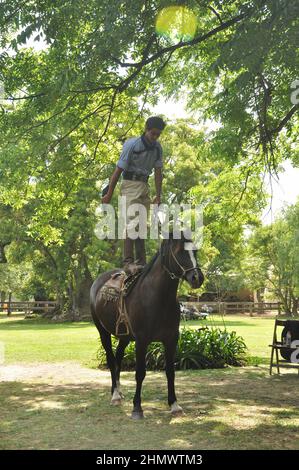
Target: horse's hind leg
{"x":120,"y":350}
{"x":107,"y":345}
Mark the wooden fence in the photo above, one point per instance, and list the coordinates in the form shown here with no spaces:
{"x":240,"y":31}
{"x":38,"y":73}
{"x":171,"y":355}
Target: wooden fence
{"x":237,"y":307}
{"x":217,"y":307}
{"x":27,"y":307}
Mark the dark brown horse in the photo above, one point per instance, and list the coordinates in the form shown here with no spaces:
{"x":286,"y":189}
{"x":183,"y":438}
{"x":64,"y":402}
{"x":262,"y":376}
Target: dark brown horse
{"x":154,"y":315}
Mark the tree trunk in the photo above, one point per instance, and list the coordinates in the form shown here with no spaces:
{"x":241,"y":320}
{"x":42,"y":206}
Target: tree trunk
{"x":3,"y":258}
{"x":289,"y":300}
{"x":295,"y":306}
{"x":283,"y":296}
{"x":9,"y":307}
{"x":260,"y":298}
{"x":80,"y":292}
{"x":60,"y":299}
{"x":288,"y":310}
{"x":2,"y":296}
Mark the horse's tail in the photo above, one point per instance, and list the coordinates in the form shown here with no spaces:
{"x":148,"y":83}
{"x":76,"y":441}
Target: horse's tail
{"x":93,"y":294}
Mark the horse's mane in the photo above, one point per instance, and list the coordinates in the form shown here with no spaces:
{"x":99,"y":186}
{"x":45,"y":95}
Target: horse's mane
{"x":149,"y":265}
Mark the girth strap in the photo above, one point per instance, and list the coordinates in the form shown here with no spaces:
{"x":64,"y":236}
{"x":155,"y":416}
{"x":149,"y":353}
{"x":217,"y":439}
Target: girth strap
{"x":123,"y":320}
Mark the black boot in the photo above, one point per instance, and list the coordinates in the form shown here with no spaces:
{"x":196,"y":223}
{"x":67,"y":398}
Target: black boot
{"x":128,"y":255}
{"x":140,"y":252}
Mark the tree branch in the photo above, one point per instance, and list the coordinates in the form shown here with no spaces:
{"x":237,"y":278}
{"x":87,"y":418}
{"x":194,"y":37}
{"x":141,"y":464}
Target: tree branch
{"x":215,"y":13}
{"x":284,"y":121}
{"x":6,"y":20}
{"x":180,"y":45}
{"x":243,"y":191}
{"x":92,"y":113}
{"x":105,"y":130}
{"x":27,"y":97}
{"x":123,"y":85}
{"x":34,"y":126}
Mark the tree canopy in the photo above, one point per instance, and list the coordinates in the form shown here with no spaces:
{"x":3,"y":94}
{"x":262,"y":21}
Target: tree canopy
{"x":67,"y":107}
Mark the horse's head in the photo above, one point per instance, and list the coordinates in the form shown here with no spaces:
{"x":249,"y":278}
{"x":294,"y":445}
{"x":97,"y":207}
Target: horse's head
{"x":179,"y":259}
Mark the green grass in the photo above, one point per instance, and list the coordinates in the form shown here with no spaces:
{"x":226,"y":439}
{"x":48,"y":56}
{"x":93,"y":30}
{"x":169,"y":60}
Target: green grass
{"x":67,"y":406}
{"x":37,"y":340}
{"x":235,"y":408}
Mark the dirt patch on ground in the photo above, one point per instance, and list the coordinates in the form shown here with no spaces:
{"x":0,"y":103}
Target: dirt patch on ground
{"x":66,"y":372}
{"x":67,"y":406}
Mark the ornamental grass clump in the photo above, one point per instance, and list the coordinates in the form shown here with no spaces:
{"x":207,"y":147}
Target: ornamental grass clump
{"x":205,"y":348}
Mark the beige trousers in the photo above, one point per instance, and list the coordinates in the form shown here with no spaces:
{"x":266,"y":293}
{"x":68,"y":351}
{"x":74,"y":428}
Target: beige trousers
{"x":136,"y":192}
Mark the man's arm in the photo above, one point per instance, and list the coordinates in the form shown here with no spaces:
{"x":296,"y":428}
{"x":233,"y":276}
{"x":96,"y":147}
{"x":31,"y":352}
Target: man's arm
{"x":158,"y":184}
{"x":112,"y":183}
{"x":121,"y":165}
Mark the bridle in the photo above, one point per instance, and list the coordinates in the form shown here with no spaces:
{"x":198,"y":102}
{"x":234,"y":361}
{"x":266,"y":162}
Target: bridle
{"x":184,"y":271}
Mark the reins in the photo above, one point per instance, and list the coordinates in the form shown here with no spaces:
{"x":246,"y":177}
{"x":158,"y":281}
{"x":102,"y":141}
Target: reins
{"x":171,"y":274}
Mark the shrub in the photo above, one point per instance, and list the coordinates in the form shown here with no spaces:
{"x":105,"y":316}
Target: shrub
{"x":197,"y":349}
{"x":209,"y":348}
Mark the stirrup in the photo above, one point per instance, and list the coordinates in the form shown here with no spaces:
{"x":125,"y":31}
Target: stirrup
{"x":119,"y":326}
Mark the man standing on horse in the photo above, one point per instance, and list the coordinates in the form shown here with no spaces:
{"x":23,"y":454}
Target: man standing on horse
{"x":140,"y":155}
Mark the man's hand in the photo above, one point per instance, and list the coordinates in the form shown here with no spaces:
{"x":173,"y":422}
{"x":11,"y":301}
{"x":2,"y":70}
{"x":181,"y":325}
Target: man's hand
{"x":112,"y":183}
{"x":157,"y":200}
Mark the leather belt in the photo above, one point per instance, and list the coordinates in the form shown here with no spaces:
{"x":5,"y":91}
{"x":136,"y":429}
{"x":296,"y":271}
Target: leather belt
{"x":129,"y":175}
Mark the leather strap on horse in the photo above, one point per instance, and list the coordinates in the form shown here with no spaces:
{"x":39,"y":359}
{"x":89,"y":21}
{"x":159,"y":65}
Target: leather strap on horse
{"x":123,"y":317}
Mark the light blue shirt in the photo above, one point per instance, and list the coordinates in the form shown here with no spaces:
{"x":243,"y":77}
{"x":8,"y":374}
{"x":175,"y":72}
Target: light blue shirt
{"x":140,"y":158}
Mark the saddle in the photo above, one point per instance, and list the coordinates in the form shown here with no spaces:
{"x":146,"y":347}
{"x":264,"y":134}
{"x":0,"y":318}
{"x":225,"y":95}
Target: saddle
{"x":116,"y":289}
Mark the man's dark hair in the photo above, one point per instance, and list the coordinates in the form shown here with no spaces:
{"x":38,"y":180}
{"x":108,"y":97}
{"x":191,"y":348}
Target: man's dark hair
{"x":155,"y":122}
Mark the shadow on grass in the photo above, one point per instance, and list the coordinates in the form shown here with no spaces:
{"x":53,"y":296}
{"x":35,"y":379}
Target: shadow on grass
{"x":228,"y":409}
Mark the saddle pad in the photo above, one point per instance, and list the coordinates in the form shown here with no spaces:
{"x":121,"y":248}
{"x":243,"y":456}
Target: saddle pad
{"x":110,"y":291}
{"x":118,"y":282}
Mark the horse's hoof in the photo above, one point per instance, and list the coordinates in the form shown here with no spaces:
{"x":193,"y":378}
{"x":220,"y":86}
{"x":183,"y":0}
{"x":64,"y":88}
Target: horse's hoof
{"x":137,"y":415}
{"x":177,"y":413}
{"x":176,"y":410}
{"x":116,"y":398}
{"x":115,"y":402}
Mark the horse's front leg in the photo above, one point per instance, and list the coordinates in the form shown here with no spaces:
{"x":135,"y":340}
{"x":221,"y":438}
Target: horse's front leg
{"x":170,"y":350}
{"x":120,"y":350}
{"x":141,"y":349}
